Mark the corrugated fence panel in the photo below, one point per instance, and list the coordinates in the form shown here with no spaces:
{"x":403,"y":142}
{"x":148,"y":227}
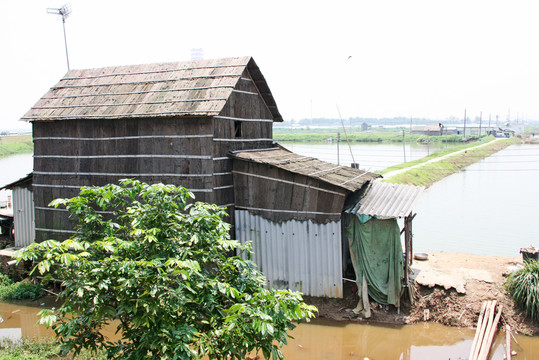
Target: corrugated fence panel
{"x":297,"y":255}
{"x":23,"y":216}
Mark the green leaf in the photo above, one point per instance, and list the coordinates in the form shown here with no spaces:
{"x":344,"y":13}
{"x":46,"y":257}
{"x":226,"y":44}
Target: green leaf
{"x":47,"y":317}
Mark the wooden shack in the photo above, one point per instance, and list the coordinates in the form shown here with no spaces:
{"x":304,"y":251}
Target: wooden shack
{"x":173,"y":123}
{"x":291,"y":207}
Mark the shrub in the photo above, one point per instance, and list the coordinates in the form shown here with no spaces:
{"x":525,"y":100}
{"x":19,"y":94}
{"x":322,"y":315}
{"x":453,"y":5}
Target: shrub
{"x":523,"y":285}
{"x":38,"y":349}
{"x":158,"y":268}
{"x":21,"y":290}
{"x":5,"y":280}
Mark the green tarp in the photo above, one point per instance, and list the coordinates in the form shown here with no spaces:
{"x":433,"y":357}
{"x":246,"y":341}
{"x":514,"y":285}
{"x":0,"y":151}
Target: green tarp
{"x":376,"y":252}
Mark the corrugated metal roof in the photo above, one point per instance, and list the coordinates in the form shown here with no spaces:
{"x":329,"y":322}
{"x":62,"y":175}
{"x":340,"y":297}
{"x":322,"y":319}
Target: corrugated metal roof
{"x":342,"y":176}
{"x":192,"y":88}
{"x":298,"y":255}
{"x":387,"y":199}
{"x":24,"y":182}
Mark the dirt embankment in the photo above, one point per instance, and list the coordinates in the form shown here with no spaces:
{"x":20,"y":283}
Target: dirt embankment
{"x":476,"y":277}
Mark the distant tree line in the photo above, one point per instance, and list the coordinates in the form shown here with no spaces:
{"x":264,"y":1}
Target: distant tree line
{"x":357,"y":121}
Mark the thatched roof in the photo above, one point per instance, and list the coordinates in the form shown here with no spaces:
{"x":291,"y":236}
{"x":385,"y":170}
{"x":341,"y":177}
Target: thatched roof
{"x":192,"y":88}
{"x":341,"y":176}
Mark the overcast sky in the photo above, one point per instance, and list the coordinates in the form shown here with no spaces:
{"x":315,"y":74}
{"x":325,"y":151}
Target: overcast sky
{"x":428,"y":59}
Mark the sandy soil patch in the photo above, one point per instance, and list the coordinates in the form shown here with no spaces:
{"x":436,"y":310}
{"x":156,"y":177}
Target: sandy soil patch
{"x":454,"y":287}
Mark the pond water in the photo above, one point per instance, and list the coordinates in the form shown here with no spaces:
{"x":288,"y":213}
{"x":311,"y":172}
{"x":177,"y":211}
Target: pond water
{"x":12,"y":168}
{"x":371,"y":157}
{"x":489,"y":208}
{"x":322,"y":339}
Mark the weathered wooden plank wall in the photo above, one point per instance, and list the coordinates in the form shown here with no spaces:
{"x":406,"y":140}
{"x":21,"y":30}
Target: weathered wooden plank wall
{"x":279,"y":195}
{"x":75,"y":153}
{"x":244,"y":123}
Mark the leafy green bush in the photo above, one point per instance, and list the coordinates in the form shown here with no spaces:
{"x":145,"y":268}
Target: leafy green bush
{"x":20,"y":291}
{"x":158,"y":268}
{"x":5,"y":280}
{"x":523,"y":285}
{"x":39,"y":349}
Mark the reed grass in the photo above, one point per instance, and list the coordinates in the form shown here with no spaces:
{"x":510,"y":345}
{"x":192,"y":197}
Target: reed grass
{"x":523,"y":286}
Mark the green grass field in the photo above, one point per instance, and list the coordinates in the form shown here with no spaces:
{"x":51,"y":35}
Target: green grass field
{"x":371,"y":136}
{"x":10,"y":145}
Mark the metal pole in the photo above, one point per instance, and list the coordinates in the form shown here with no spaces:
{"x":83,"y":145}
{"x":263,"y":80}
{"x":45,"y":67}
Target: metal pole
{"x":403,"y":146}
{"x":65,"y":40}
{"x":464,"y":132}
{"x":480,"y":119}
{"x":338,"y":141}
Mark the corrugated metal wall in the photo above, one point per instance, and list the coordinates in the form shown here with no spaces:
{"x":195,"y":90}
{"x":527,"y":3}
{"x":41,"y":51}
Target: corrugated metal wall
{"x":23,"y":216}
{"x":297,"y":255}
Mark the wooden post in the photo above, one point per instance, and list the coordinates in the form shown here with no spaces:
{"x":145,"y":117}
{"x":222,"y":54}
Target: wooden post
{"x":478,"y":329}
{"x":489,"y":336}
{"x":508,"y":342}
{"x":365,"y":296}
{"x":489,"y":309}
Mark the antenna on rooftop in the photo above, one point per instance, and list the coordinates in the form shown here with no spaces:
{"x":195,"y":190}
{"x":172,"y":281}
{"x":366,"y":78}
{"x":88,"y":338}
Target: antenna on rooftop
{"x":64,"y":12}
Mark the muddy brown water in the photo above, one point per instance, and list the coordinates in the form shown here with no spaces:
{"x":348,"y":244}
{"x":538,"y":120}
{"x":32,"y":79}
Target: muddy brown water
{"x":323,"y":339}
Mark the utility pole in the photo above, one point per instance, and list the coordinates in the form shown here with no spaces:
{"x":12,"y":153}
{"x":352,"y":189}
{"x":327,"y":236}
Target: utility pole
{"x":338,"y":141}
{"x":64,"y":12}
{"x":480,"y":118}
{"x":464,"y":132}
{"x":403,"y":146}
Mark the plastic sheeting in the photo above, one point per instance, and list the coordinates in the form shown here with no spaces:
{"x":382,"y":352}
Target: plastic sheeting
{"x":376,"y":252}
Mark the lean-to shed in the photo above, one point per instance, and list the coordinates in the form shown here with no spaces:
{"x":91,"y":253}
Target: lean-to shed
{"x":291,"y":206}
{"x":23,"y":210}
{"x":173,"y":123}
{"x":374,"y":239}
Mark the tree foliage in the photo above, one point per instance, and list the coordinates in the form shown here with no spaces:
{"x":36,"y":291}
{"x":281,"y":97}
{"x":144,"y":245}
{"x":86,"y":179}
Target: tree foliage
{"x":156,"y":267}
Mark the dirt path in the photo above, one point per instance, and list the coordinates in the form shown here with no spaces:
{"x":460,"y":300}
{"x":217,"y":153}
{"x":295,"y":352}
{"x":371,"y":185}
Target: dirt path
{"x":400,"y":171}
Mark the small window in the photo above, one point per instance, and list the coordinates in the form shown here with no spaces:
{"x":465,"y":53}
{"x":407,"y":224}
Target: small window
{"x":237,"y":129}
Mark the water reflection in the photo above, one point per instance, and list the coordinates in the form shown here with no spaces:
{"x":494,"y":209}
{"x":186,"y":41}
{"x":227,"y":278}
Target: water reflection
{"x":320,"y":339}
{"x":329,"y":340}
{"x":20,"y":320}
